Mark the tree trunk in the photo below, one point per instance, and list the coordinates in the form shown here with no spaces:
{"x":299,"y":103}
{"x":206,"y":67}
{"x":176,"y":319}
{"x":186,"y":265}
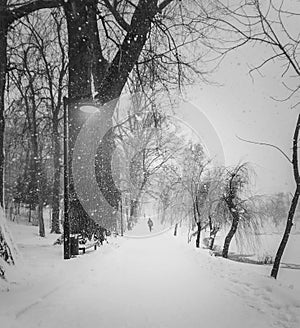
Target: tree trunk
{"x":198,"y":234}
{"x":122,"y":219}
{"x":133,"y":208}
{"x":286,"y":234}
{"x":175,"y":230}
{"x":55,"y":228}
{"x":294,"y":203}
{"x":211,"y":242}
{"x":105,"y":179}
{"x":37,"y":169}
{"x":231,"y":233}
{"x":132,"y":213}
{"x":29,"y":213}
{"x":41,"y":216}
{"x":213,"y":230}
{"x":79,"y":87}
{"x":3,"y":69}
{"x":163,"y":214}
{"x":129,"y":224}
{"x":212,"y":237}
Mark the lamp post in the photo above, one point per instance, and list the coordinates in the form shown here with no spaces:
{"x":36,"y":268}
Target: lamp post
{"x":121,"y":212}
{"x":67,"y":248}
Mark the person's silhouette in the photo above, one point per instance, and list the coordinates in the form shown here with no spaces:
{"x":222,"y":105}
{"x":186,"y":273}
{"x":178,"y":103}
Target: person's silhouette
{"x":150,"y":224}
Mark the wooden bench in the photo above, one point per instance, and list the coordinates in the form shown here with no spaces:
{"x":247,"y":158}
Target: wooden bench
{"x":84,"y":247}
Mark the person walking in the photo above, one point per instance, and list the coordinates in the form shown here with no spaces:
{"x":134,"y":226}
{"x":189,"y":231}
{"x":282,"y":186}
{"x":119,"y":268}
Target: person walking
{"x":150,"y":224}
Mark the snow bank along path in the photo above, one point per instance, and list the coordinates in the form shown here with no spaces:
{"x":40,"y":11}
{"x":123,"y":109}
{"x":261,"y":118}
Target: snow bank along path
{"x":151,"y":283}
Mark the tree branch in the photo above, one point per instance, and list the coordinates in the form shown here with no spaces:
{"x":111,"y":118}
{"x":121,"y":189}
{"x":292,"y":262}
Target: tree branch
{"x":295,"y":152}
{"x":129,"y":51}
{"x":120,"y":20}
{"x":164,"y":4}
{"x":266,"y":144}
{"x":29,"y":7}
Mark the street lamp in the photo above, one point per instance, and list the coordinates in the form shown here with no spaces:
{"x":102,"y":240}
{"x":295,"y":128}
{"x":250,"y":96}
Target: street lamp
{"x":88,"y":106}
{"x":67,"y":248}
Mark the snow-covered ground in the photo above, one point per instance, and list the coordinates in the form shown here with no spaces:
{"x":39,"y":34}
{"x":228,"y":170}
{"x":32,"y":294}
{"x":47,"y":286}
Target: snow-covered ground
{"x":146,"y":282}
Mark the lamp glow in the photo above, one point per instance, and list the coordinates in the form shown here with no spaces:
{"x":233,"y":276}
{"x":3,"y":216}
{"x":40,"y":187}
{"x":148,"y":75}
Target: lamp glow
{"x":89,"y":108}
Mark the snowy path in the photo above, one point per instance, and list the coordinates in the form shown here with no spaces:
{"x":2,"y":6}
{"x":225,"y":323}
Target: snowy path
{"x":155,"y":283}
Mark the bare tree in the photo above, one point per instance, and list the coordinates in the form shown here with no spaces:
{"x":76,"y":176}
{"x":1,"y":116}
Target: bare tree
{"x":149,"y":147}
{"x":238,"y":206}
{"x":42,"y":33}
{"x":193,"y":183}
{"x":235,"y":182}
{"x":51,"y":48}
{"x":276,"y":207}
{"x":26,"y":83}
{"x":11,"y":12}
{"x":214,"y":209}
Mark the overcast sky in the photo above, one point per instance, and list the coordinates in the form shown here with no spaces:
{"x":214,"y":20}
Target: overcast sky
{"x":244,"y":107}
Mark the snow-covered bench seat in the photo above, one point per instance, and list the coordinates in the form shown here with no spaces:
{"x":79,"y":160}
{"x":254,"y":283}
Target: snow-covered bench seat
{"x":84,"y":247}
{"x":85,"y":244}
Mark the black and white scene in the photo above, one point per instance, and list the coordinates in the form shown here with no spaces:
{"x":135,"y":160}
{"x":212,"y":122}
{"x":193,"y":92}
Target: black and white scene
{"x":149,"y":163}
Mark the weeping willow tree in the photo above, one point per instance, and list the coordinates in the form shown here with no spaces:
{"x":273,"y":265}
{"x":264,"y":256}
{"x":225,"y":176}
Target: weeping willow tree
{"x":239,"y":209}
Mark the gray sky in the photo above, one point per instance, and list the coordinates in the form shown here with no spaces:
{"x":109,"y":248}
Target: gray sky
{"x":243,"y":107}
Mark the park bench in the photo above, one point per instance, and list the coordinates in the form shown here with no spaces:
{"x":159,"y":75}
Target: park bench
{"x":84,"y":244}
{"x":84,"y":247}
